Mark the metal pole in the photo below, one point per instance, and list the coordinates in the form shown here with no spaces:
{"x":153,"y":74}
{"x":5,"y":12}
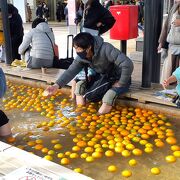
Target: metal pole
{"x":151,"y":60}
{"x":6,"y":31}
{"x":156,"y":60}
{"x":123,"y":46}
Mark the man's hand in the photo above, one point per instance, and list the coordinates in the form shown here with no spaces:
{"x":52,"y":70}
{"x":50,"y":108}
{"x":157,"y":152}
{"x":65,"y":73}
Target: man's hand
{"x":159,"y":48}
{"x":176,"y":22}
{"x":51,"y":90}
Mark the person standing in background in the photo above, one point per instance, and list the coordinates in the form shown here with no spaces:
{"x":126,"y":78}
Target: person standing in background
{"x":170,"y":50}
{"x":66,"y":14}
{"x":28,"y":12}
{"x":101,"y":21}
{"x":59,"y":11}
{"x":16,"y":30}
{"x":45,"y":11}
{"x":39,"y":11}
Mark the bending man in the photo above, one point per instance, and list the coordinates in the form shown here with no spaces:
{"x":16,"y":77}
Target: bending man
{"x":103,"y":58}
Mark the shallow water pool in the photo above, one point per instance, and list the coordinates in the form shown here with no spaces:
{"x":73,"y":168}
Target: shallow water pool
{"x":56,"y":129}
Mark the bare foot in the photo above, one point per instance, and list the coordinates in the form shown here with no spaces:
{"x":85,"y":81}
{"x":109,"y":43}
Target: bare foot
{"x":104,"y":109}
{"x":5,"y":130}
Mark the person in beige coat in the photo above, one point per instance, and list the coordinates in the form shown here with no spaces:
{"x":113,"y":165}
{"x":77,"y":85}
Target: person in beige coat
{"x":172,"y":51}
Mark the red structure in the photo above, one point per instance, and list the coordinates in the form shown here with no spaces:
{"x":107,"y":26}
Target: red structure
{"x":126,"y":26}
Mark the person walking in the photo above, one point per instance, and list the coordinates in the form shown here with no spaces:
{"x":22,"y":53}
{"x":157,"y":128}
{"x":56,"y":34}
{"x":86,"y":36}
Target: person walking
{"x":104,"y":59}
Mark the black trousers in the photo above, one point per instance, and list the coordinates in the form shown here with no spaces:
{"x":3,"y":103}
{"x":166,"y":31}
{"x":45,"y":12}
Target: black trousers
{"x":3,"y":118}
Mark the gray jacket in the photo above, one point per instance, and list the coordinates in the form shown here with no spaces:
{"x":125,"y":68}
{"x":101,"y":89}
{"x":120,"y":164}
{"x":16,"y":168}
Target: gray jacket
{"x":41,"y":45}
{"x":106,"y":59}
{"x":167,"y":25}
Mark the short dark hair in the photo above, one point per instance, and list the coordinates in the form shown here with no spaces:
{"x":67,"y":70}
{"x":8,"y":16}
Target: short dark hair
{"x":37,"y":21}
{"x":83,"y":40}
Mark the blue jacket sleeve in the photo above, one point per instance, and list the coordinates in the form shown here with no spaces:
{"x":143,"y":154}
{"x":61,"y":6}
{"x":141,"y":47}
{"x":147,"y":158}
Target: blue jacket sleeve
{"x":2,"y":83}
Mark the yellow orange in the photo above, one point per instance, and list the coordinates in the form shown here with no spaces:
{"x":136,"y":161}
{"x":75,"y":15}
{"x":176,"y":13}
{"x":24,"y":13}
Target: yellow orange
{"x":175,"y":148}
{"x":176,"y":154}
{"x":78,"y":170}
{"x":132,"y":162}
{"x":112,"y":168}
{"x":109,"y":153}
{"x":65,"y":161}
{"x":126,"y":173}
{"x":137,"y":152}
{"x":89,"y":159}
{"x":155,"y":170}
{"x":171,"y":140}
{"x":170,"y":159}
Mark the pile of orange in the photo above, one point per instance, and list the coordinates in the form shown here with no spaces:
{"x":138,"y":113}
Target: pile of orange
{"x":126,"y":130}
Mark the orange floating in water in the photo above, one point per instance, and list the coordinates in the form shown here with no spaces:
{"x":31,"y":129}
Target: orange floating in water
{"x":38,"y":146}
{"x":65,"y":161}
{"x":11,"y":139}
{"x":171,"y":140}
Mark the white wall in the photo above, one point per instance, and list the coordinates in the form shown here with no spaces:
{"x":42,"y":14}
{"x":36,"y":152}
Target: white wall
{"x":21,"y":6}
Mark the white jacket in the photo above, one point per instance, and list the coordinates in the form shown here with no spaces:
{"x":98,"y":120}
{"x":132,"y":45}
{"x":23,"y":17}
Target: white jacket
{"x":41,"y":45}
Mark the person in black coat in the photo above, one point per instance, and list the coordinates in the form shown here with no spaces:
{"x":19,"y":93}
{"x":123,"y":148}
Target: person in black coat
{"x":140,"y":12}
{"x":16,"y":30}
{"x":96,"y":17}
{"x":45,"y":11}
{"x":39,"y":10}
{"x":59,"y":11}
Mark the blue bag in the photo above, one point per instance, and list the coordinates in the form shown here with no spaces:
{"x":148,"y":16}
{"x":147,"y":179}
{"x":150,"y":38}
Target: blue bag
{"x":2,"y":83}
